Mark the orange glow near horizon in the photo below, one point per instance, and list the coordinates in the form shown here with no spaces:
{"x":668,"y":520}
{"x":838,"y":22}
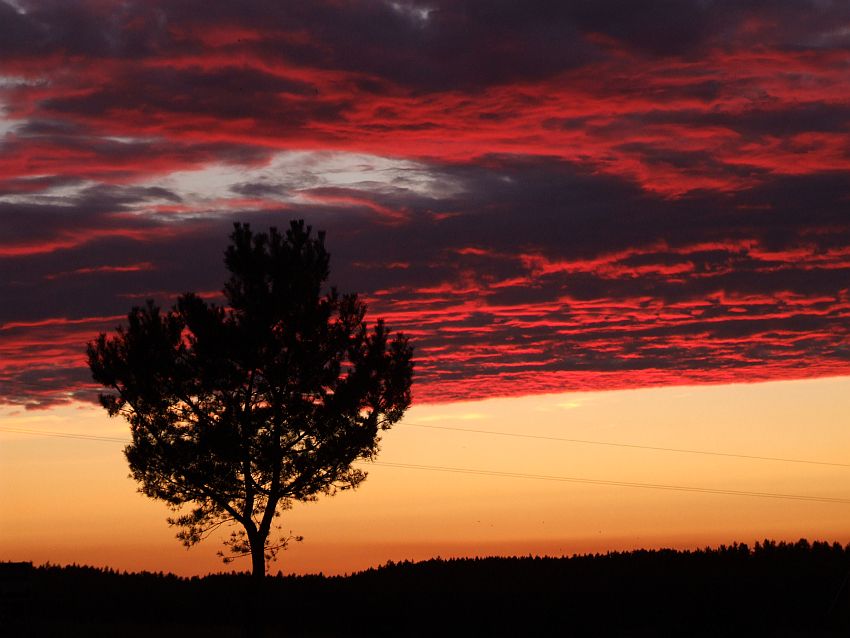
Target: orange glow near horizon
{"x":70,"y":501}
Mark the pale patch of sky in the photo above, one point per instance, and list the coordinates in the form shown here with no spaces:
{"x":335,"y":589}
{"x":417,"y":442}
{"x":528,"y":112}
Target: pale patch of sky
{"x":59,"y":195}
{"x":292,"y":171}
{"x":6,"y":125}
{"x":468,"y":416}
{"x":569,"y":405}
{"x":10,"y":82}
{"x":69,"y":195}
{"x":282,"y":180}
{"x":416,"y":13}
{"x":833,"y":38}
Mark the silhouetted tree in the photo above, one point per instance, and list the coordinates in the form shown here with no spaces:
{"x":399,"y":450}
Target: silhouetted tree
{"x":238,"y":410}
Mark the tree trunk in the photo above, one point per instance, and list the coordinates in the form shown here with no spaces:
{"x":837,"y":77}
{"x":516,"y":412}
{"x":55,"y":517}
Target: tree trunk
{"x":258,"y":560}
{"x":256,"y":592}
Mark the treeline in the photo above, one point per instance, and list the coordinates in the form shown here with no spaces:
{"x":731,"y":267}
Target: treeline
{"x":772,"y":589}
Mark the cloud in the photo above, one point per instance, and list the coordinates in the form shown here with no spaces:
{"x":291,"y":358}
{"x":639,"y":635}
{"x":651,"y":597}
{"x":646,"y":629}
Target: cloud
{"x":546,"y":196}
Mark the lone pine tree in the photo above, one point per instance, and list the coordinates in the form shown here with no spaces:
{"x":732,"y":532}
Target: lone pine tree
{"x":239,"y":410}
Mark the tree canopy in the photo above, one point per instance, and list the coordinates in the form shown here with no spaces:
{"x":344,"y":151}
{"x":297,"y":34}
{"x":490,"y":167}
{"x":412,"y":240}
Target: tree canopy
{"x":238,"y":410}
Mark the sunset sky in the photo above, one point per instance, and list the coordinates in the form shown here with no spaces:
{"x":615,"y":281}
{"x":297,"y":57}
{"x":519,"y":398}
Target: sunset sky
{"x":603,"y":221}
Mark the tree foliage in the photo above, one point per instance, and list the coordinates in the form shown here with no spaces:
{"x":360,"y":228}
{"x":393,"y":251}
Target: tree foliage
{"x":238,"y":410}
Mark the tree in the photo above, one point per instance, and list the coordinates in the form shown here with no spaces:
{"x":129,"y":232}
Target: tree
{"x":239,"y":410}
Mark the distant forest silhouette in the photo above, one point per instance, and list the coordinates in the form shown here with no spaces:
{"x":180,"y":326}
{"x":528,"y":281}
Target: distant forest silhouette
{"x":769,"y":589}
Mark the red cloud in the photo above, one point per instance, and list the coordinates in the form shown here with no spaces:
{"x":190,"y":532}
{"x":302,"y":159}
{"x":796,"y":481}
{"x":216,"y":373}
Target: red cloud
{"x":708,"y":139}
{"x":671,"y":126}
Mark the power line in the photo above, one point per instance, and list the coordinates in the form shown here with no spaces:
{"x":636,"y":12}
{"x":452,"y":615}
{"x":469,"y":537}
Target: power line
{"x":649,"y":486}
{"x":630,"y":445}
{"x":497,"y":433}
{"x":540,"y":477}
{"x":65,"y":435}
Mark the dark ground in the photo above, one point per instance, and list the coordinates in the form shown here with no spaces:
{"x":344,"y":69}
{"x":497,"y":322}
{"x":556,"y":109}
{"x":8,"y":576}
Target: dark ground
{"x":771,"y":589}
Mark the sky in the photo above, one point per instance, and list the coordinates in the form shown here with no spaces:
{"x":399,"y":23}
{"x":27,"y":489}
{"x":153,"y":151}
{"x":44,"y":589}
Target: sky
{"x":613,"y":204}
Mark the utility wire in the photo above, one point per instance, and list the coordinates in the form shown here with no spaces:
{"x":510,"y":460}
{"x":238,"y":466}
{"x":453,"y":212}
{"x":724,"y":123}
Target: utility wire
{"x":628,"y":445}
{"x":497,"y":433}
{"x":541,"y":477}
{"x":649,"y":486}
{"x":65,"y":435}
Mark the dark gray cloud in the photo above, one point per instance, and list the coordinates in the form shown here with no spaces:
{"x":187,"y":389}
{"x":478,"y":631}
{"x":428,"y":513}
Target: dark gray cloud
{"x":649,"y":191}
{"x":434,"y":44}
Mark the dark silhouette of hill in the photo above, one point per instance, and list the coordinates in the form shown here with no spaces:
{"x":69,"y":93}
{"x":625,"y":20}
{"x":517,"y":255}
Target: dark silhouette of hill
{"x":770,"y":589}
